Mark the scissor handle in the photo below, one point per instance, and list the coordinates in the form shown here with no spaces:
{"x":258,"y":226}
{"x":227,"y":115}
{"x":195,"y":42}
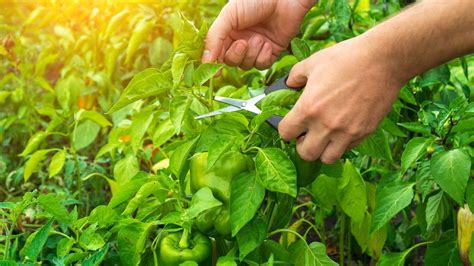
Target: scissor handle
{"x":280,"y":85}
{"x":275,"y":120}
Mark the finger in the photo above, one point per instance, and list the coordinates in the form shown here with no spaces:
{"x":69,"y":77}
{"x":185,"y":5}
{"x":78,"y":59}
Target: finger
{"x":311,"y":146}
{"x":334,"y":150}
{"x":216,"y":35}
{"x":225,"y":46}
{"x":355,"y":143}
{"x":293,"y":124}
{"x":255,"y":46}
{"x":298,"y":75}
{"x":236,"y":53}
{"x":264,"y":59}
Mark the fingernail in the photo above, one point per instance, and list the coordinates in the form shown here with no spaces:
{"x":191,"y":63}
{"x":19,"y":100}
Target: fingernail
{"x":256,"y":41}
{"x":205,"y":56}
{"x":240,"y":48}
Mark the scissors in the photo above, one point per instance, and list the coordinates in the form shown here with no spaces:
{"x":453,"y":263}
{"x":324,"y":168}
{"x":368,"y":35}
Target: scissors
{"x":250,"y":104}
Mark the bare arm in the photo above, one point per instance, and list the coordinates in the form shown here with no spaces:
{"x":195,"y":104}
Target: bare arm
{"x":425,"y":35}
{"x":351,"y":86}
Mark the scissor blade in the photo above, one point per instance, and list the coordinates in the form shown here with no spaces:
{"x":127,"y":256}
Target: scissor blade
{"x":218,"y":112}
{"x":231,"y":101}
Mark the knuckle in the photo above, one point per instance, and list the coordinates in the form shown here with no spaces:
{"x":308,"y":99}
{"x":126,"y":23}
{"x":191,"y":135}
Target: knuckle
{"x":307,"y":154}
{"x":331,"y":124}
{"x":284,"y":131}
{"x":329,"y":159}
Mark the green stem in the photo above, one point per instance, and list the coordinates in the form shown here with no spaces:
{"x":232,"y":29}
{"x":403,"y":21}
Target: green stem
{"x":79,"y":179}
{"x":183,"y":242}
{"x":348,"y":245}
{"x":210,"y":94}
{"x":342,"y":229}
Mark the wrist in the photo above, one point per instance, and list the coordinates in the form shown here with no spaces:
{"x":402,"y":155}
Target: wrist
{"x":382,"y":51}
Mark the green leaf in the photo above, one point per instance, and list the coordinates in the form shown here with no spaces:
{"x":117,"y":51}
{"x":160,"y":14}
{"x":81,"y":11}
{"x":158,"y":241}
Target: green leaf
{"x":450,"y":170}
{"x":218,"y":148}
{"x":85,"y":134}
{"x":131,"y":240}
{"x":140,"y":124}
{"x":90,"y":239}
{"x":52,"y":205}
{"x":126,"y":191}
{"x":179,"y":108}
{"x":33,"y":143}
{"x":464,"y":125}
{"x":204,"y":72}
{"x":64,"y":246}
{"x":149,"y":82}
{"x":312,"y":255}
{"x":284,"y":98}
{"x":416,"y":127}
{"x":324,"y":188}
{"x":126,"y":168}
{"x":352,"y":194}
{"x":179,"y":159}
{"x":391,"y":199}
{"x":163,"y":132}
{"x":226,"y":261}
{"x":437,"y":75}
{"x":35,"y":242}
{"x":177,"y":67}
{"x":160,"y":50}
{"x":376,"y":145}
{"x":470,"y":193}
{"x":251,"y":236}
{"x":96,"y":258}
{"x":300,"y":48}
{"x":103,"y":216}
{"x":392,"y":128}
{"x":32,"y":164}
{"x":202,"y":200}
{"x":361,"y":231}
{"x":414,"y":150}
{"x":93,"y":116}
{"x":437,"y":209}
{"x":443,"y":252}
{"x":276,"y":171}
{"x":246,"y":197}
{"x":342,"y":11}
{"x":57,"y":163}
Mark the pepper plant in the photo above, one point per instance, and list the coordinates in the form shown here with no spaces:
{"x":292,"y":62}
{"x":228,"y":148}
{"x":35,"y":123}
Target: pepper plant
{"x":103,"y":162}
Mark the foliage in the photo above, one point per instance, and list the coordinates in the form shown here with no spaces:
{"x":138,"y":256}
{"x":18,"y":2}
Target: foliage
{"x":97,"y":130}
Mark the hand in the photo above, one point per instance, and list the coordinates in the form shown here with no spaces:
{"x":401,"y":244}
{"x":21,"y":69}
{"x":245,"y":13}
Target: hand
{"x":253,"y":33}
{"x":349,"y":89}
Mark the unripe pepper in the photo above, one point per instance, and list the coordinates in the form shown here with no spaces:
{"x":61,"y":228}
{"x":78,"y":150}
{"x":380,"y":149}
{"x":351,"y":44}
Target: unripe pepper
{"x":176,"y":248}
{"x":306,"y":171}
{"x":465,"y":230}
{"x":218,"y":178}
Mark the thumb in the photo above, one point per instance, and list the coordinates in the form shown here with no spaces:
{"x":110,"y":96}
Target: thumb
{"x":216,"y":35}
{"x":298,"y":75}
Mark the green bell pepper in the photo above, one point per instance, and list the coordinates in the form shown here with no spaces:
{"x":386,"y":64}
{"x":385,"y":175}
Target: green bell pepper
{"x":178,"y":247}
{"x":218,"y":178}
{"x":306,"y":171}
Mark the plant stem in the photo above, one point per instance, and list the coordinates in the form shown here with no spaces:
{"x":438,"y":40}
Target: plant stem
{"x":79,"y":179}
{"x":342,"y":229}
{"x":183,"y":242}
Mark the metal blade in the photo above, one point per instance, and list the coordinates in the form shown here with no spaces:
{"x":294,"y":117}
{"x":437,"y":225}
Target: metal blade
{"x":227,"y":109}
{"x":231,"y":101}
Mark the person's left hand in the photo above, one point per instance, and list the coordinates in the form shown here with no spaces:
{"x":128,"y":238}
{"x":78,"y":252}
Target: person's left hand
{"x":350,"y":87}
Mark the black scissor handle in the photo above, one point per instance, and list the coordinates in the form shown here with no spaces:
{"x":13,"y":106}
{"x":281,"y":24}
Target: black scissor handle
{"x":275,"y":120}
{"x":280,"y":85}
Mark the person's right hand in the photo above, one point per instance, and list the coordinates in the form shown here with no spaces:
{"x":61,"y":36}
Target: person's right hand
{"x":253,"y":33}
